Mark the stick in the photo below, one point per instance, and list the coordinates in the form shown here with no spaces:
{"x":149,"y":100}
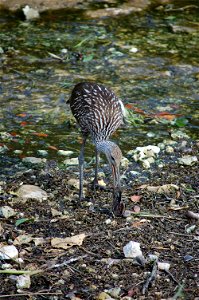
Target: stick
{"x":151,"y":277}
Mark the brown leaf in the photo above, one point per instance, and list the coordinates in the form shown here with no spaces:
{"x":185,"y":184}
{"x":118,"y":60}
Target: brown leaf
{"x":135,"y":198}
{"x":65,"y":243}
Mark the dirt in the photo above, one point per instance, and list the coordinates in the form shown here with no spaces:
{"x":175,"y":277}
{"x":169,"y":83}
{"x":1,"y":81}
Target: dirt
{"x":163,"y":230}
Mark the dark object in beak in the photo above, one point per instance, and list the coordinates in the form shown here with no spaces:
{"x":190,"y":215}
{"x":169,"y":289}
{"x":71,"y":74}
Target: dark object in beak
{"x":118,"y":205}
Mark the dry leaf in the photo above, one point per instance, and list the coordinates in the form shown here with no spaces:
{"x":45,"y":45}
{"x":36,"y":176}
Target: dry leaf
{"x":135,"y":198}
{"x":23,"y":239}
{"x":160,"y":189}
{"x":65,"y":243}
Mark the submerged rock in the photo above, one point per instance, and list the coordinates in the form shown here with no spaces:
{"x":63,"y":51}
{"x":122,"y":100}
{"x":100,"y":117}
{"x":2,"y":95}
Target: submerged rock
{"x":188,"y":160}
{"x":71,"y":161}
{"x":34,"y":160}
{"x":65,"y":152}
{"x":28,"y":191}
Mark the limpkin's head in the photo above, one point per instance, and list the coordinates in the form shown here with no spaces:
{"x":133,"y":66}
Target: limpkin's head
{"x":114,"y":156}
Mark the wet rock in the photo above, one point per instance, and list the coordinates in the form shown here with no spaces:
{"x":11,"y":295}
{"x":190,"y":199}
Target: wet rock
{"x":178,"y":134}
{"x":3,"y":149}
{"x":124,"y":162}
{"x":42,"y":152}
{"x":169,"y":149}
{"x":34,"y":160}
{"x":71,"y":161}
{"x":182,"y":29}
{"x":8,"y":252}
{"x":65,"y":152}
{"x":30,"y":13}
{"x":18,"y":151}
{"x":28,"y":191}
{"x":7,"y":212}
{"x":111,"y":11}
{"x":188,"y":160}
{"x":73,"y":182}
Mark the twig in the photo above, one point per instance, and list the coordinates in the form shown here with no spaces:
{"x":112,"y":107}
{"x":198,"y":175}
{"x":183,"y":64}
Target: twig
{"x":20,"y":272}
{"x":89,"y":252}
{"x":30,"y":294}
{"x":65,"y":263}
{"x":172,"y":277}
{"x":151,"y":277}
{"x":182,"y":234}
{"x":182,"y":8}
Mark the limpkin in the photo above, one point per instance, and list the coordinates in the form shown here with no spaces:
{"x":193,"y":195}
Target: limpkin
{"x":99,"y":113}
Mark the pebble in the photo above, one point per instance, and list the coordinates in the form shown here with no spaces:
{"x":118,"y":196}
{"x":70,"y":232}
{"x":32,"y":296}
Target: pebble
{"x":163,"y":266}
{"x":124,"y":162}
{"x":188,"y":160}
{"x":3,"y":149}
{"x":34,"y":160}
{"x":8,"y":252}
{"x":65,"y":152}
{"x":7,"y":212}
{"x":169,"y":149}
{"x":114,"y":292}
{"x":132,"y":250}
{"x":23,"y":282}
{"x":42,"y":152}
{"x":71,"y":161}
{"x":28,"y":191}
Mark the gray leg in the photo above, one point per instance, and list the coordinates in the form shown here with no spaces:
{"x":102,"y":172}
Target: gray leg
{"x":81,"y":169}
{"x":96,"y":166}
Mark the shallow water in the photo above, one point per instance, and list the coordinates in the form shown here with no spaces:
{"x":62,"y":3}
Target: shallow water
{"x":138,"y":56}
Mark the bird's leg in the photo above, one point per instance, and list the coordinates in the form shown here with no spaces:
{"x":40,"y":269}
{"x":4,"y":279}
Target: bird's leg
{"x":81,"y":169}
{"x":96,"y":166}
{"x":95,"y":183}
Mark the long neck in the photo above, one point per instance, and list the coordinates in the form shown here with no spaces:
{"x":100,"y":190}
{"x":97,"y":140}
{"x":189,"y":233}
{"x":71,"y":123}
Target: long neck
{"x":104,"y":146}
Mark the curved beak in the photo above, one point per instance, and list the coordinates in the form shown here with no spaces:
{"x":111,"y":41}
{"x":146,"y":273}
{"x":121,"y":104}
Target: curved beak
{"x":118,"y":205}
{"x":116,"y":176}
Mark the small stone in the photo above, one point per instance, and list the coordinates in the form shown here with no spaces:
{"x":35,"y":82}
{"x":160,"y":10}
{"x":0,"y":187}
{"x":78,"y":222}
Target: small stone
{"x":3,"y":149}
{"x":114,"y":292}
{"x":188,"y":160}
{"x":104,"y":296}
{"x":73,"y":182}
{"x":65,"y":152}
{"x":133,"y":49}
{"x":8,"y":252}
{"x":23,"y":282}
{"x":108,"y":221}
{"x":188,"y":258}
{"x":34,"y":160}
{"x":7,"y":212}
{"x":132,"y":250}
{"x":30,"y":13}
{"x":124,"y":162}
{"x":42,"y":152}
{"x":28,"y":191}
{"x":163,"y":266}
{"x":71,"y":161}
{"x":18,"y":151}
{"x":169,"y":149}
